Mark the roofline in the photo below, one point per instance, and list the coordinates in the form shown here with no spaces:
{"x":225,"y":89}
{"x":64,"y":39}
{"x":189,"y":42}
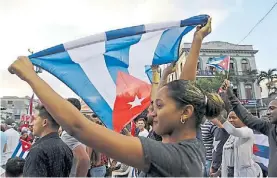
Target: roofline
{"x":225,"y":50}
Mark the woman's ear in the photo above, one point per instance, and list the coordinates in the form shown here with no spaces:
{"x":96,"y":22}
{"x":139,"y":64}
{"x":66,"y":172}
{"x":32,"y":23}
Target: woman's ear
{"x":188,"y":110}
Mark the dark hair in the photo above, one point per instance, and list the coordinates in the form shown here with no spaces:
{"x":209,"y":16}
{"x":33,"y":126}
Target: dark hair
{"x":75,"y":102}
{"x":143,"y":115}
{"x":184,"y":92}
{"x":46,"y":115}
{"x":3,"y":127}
{"x":23,"y":132}
{"x":14,"y":167}
{"x":223,"y":116}
{"x":142,"y":119}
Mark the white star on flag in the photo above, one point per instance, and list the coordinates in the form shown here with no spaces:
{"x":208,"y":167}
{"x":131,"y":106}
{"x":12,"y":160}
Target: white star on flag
{"x":136,"y":102}
{"x":26,"y":146}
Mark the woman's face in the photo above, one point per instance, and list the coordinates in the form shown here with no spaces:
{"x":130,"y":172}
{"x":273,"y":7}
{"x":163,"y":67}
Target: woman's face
{"x":166,"y":116}
{"x":24,"y":135}
{"x":234,"y":120}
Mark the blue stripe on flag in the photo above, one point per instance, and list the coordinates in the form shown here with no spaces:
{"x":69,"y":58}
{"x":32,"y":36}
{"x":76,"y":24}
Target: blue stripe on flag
{"x":70,"y":73}
{"x":167,"y":49}
{"x":21,"y":154}
{"x":117,"y":54}
{"x":49,"y":51}
{"x":263,"y":167}
{"x":149,"y":72}
{"x":263,"y":151}
{"x":196,"y":20}
{"x":16,"y":149}
{"x":124,"y":32}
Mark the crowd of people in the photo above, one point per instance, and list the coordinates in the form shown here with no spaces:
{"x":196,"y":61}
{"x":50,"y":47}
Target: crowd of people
{"x":185,"y":132}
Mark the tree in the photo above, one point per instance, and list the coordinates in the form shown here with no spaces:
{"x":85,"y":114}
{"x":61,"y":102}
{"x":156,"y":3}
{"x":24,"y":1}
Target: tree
{"x":269,"y":76}
{"x":212,"y":84}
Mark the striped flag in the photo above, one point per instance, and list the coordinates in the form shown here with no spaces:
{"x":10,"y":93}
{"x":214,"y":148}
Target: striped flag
{"x":22,"y":149}
{"x":109,"y":70}
{"x":221,"y":63}
{"x":261,"y":150}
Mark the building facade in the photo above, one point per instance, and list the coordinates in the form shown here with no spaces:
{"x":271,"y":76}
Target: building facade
{"x":242,"y":66}
{"x":16,"y":105}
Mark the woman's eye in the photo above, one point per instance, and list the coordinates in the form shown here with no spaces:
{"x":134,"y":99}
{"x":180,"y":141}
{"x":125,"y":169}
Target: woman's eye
{"x":159,"y":105}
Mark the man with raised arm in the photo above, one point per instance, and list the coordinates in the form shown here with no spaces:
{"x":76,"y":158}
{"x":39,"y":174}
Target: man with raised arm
{"x":260,"y":125}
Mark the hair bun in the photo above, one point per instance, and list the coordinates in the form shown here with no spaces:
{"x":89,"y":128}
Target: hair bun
{"x":214,"y":105}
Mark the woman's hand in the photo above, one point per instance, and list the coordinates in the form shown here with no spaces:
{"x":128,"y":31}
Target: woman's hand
{"x":226,"y":84}
{"x":203,"y":31}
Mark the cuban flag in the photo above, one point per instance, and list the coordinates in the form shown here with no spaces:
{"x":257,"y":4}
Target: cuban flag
{"x":110,"y":71}
{"x":221,"y":63}
{"x":22,"y":149}
{"x":261,"y":150}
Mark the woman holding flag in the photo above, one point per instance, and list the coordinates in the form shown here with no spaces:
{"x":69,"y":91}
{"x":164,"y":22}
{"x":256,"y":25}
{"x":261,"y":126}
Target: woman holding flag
{"x":179,"y":107}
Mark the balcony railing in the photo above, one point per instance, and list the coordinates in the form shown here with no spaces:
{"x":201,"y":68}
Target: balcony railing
{"x":232,"y":72}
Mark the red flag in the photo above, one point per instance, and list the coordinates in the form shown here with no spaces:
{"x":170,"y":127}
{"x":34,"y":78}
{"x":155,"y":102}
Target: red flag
{"x":132,"y":98}
{"x":133,"y":128}
{"x":30,"y":111}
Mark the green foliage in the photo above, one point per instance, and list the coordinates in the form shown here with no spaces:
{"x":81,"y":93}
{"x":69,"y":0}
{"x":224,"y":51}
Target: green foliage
{"x":212,"y":84}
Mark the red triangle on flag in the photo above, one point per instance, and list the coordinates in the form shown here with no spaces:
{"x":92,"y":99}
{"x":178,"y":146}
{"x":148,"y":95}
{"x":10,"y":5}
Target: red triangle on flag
{"x":255,"y":148}
{"x":225,"y":63}
{"x":132,"y":97}
{"x":25,"y":145}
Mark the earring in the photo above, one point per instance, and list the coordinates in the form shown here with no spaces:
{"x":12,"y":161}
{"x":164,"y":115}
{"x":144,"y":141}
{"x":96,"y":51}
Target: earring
{"x":183,"y":119}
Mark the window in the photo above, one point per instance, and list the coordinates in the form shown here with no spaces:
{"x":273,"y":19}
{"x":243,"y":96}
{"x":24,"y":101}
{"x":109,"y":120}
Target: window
{"x":245,"y":65}
{"x":248,"y":91}
{"x":232,"y":64}
{"x":10,"y":102}
{"x":181,"y":66}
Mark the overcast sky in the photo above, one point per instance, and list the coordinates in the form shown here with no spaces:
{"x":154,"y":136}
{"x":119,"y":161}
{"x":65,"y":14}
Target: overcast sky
{"x":39,"y":24}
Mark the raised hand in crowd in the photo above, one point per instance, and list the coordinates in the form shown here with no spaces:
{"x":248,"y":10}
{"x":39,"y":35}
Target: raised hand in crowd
{"x":190,"y":67}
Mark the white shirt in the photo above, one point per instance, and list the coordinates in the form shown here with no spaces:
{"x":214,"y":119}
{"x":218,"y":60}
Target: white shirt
{"x":12,"y":141}
{"x":143,"y":133}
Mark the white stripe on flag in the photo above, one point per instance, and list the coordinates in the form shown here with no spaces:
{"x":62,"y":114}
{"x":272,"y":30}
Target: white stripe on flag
{"x":25,"y":154}
{"x":262,"y":160}
{"x":142,"y":54}
{"x":155,"y":26}
{"x":19,"y":151}
{"x":261,"y":139}
{"x":92,"y":61}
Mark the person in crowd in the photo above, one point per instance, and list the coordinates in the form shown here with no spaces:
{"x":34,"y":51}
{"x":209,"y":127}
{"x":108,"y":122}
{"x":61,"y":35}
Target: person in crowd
{"x":25,"y":136}
{"x":179,"y":107}
{"x":12,"y":139}
{"x":220,"y":138}
{"x":3,"y":144}
{"x":49,"y":156}
{"x":237,"y":158}
{"x":98,"y":160}
{"x":30,"y":131}
{"x":260,"y":125}
{"x":142,"y":130}
{"x":208,"y":131}
{"x":152,"y":134}
{"x":14,"y":167}
{"x":81,"y":159}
